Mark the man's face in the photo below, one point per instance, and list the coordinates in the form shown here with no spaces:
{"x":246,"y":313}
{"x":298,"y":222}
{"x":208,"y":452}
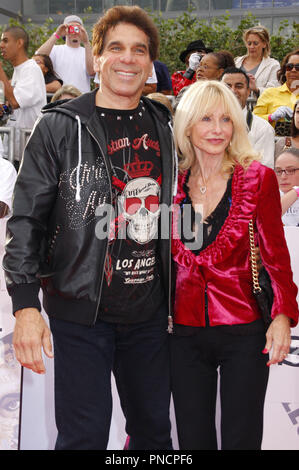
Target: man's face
{"x":9,"y":46}
{"x":238,"y":84}
{"x":123,"y":66}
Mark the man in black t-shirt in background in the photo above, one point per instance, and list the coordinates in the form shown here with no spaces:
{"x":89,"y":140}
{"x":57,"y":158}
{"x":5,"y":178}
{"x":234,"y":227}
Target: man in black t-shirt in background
{"x":106,"y":297}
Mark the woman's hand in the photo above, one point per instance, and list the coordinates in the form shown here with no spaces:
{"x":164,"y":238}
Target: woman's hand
{"x":252,"y":83}
{"x":278,"y":339}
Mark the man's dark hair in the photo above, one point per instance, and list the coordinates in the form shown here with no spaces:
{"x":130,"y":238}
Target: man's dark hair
{"x":19,"y":33}
{"x":47,"y":63}
{"x":126,"y":14}
{"x":236,"y":70}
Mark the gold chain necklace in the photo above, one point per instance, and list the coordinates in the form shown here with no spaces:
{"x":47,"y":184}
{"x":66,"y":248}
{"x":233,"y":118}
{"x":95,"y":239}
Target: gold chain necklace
{"x":203,"y":187}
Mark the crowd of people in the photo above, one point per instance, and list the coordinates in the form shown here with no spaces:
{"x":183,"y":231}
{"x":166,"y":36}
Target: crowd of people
{"x":267,"y":94}
{"x":139,"y":140}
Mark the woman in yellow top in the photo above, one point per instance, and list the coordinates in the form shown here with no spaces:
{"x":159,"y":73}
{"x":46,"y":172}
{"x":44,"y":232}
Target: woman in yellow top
{"x":277,"y":104}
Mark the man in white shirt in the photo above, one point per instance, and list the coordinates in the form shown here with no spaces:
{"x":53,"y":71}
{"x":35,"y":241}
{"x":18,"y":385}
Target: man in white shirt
{"x":261,"y":133}
{"x":1,"y":148}
{"x":26,"y":91}
{"x":72,"y":62}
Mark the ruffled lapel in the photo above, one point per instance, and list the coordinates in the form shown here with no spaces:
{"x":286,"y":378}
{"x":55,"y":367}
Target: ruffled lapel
{"x":245,"y":189}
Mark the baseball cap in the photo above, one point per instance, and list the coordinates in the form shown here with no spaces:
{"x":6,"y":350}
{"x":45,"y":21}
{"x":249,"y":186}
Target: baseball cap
{"x":72,"y":19}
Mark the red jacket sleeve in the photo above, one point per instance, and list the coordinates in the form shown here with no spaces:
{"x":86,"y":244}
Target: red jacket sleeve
{"x":179,"y":81}
{"x":273,"y":248}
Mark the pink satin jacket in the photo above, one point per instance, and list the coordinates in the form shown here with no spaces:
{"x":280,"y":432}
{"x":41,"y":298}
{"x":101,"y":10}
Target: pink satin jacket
{"x":223,"y":268}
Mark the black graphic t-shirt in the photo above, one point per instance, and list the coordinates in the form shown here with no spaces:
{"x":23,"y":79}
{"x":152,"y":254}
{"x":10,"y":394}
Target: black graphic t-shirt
{"x":132,"y":289}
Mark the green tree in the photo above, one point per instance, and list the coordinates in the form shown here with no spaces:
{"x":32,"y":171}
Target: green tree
{"x":38,"y":34}
{"x":216,"y":33}
{"x":176,"y":33}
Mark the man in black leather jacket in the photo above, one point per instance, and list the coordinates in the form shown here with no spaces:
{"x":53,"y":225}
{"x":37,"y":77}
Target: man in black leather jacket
{"x":87,"y":210}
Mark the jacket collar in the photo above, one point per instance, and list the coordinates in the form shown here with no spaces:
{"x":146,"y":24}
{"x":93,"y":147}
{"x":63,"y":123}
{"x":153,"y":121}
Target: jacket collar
{"x":84,"y":106}
{"x":284,"y":89}
{"x":83,"y":110}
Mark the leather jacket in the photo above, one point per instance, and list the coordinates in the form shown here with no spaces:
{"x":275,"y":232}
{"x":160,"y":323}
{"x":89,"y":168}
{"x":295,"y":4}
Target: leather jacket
{"x":64,"y":176}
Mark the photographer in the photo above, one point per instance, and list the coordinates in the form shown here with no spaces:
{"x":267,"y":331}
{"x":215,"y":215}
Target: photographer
{"x":72,"y":62}
{"x":191,"y":57}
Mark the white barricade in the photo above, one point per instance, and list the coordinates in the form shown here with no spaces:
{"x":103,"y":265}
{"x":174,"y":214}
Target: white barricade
{"x":10,"y":133}
{"x":10,"y":370}
{"x":282,"y":400}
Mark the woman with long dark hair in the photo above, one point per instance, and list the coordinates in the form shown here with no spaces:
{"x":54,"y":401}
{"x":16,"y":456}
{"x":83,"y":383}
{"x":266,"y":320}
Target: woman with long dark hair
{"x":52,"y":81}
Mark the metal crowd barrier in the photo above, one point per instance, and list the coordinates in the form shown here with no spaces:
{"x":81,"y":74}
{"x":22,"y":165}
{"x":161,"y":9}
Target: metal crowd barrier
{"x":11,"y":141}
{"x":251,"y":101}
{"x":24,"y":135}
{"x":10,"y":132}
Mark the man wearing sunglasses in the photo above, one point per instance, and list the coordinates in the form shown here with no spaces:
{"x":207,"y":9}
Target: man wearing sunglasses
{"x":277,"y":104}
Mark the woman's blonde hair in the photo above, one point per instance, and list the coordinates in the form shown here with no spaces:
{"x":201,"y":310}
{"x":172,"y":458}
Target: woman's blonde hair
{"x":66,"y":90}
{"x":201,"y":99}
{"x":264,"y":36}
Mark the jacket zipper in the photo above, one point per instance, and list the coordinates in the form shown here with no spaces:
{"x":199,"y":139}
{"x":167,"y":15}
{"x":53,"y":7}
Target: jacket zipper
{"x":103,"y":270}
{"x":170,"y":318}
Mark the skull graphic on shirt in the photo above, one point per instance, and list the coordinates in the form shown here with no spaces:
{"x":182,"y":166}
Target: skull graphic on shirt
{"x":139,"y":205}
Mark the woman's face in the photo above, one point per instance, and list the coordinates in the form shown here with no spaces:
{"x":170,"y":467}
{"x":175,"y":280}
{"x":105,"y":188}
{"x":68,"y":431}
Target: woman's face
{"x":212,"y":133}
{"x":288,"y":162}
{"x":255,"y":45}
{"x":208,"y":69}
{"x":292,"y":75}
{"x":40,"y":61}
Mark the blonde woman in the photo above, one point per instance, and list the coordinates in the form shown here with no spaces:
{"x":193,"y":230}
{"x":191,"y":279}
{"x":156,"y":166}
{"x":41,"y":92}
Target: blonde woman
{"x":217,"y":323}
{"x":66,"y":92}
{"x":257,"y":63}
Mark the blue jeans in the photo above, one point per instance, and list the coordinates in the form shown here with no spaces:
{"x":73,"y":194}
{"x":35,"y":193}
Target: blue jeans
{"x":84,"y":358}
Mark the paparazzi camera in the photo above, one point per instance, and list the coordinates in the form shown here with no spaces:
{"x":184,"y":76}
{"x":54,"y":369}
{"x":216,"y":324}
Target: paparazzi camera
{"x":73,"y":29}
{"x":5,"y":111}
{"x":194,"y":61}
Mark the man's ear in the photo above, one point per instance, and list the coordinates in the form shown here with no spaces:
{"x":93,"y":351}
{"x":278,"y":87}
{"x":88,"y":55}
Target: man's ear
{"x":20,"y":43}
{"x":96,"y":65}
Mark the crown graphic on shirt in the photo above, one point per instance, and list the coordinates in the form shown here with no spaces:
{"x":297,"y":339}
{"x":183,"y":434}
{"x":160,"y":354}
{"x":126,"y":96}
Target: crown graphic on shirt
{"x":136,"y":169}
